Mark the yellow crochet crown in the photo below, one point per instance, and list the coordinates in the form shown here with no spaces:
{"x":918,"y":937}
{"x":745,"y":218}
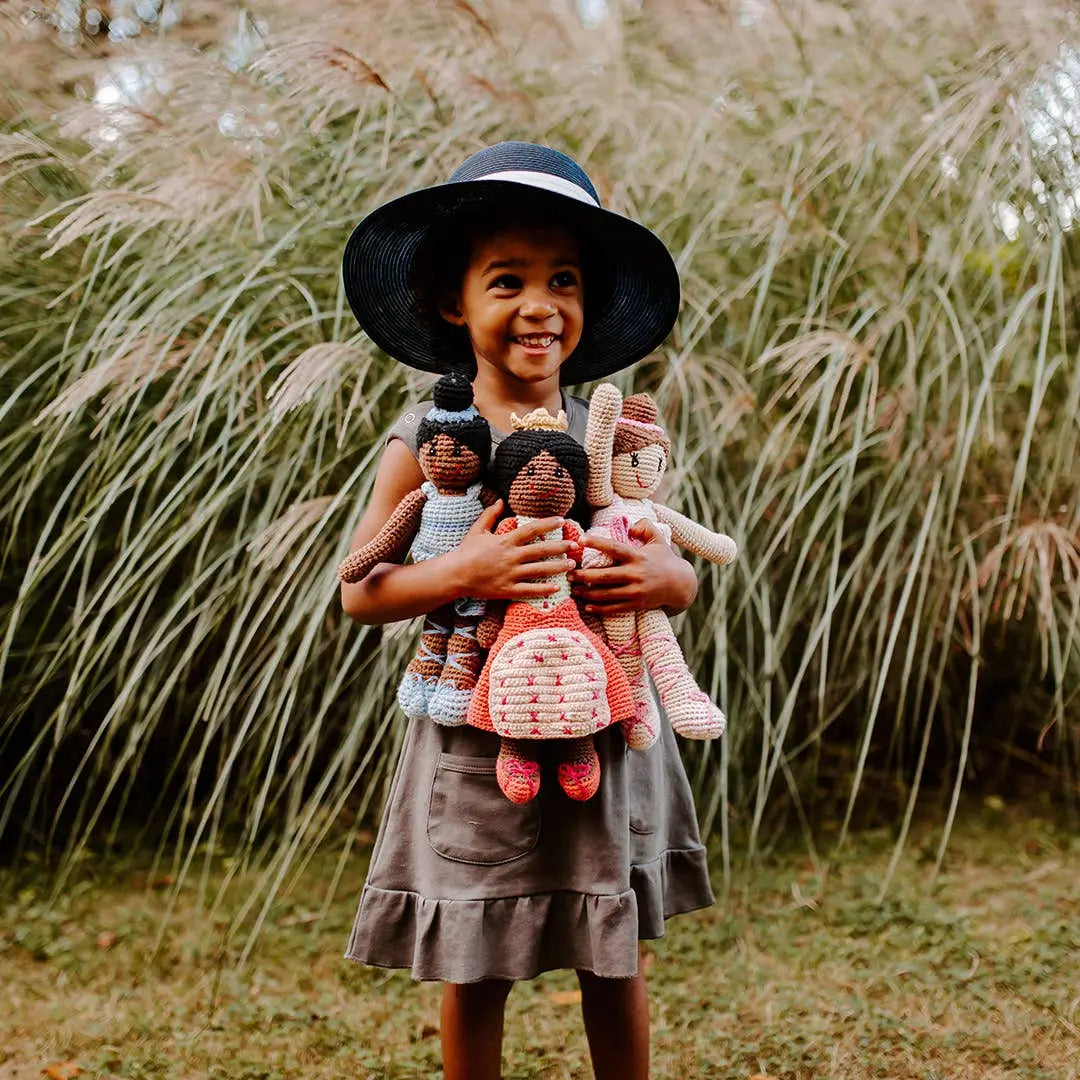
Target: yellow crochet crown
{"x":539,"y":420}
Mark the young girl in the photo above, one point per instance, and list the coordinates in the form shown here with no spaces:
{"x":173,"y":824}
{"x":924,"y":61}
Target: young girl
{"x":513,"y":273}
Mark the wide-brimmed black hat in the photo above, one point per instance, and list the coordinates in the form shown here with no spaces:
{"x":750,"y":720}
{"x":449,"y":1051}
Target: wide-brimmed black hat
{"x":631,"y":288}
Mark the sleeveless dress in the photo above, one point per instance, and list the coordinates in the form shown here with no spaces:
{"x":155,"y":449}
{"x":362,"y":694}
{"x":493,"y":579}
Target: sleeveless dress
{"x":444,"y":521}
{"x":464,"y":885}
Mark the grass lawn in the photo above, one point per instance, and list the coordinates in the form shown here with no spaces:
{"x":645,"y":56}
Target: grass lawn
{"x":793,"y":974}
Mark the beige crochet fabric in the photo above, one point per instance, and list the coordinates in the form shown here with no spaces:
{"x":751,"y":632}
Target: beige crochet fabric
{"x":628,"y":454}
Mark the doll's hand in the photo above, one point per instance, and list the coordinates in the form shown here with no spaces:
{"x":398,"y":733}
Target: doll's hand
{"x":642,"y":578}
{"x":506,"y":565}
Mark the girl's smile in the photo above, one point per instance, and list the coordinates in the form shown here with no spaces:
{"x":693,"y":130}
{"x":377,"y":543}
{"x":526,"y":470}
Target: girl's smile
{"x":521,"y":301}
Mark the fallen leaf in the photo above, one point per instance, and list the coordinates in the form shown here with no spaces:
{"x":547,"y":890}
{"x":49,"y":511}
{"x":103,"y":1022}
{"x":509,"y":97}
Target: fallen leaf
{"x":106,"y":939}
{"x":762,"y":1076}
{"x":64,"y":1070}
{"x":565,"y":997}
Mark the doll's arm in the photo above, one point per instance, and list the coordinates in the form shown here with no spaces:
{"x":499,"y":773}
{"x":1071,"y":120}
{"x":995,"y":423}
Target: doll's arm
{"x":506,"y":525}
{"x":390,"y":542}
{"x":571,"y":531}
{"x":487,"y":497}
{"x":604,"y":406}
{"x":716,"y":547}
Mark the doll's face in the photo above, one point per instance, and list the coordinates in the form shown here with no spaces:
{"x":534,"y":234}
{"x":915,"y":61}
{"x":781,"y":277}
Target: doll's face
{"x":521,"y":300}
{"x":449,"y":464}
{"x":543,"y":488}
{"x":636,"y":474}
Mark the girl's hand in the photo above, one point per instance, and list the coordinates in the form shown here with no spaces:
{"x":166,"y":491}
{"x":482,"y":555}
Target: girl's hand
{"x":505,"y":566}
{"x":642,"y":578}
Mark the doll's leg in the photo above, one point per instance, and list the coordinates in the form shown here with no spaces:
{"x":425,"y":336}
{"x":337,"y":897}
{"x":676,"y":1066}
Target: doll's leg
{"x":690,"y":710}
{"x":422,"y":674}
{"x":621,"y":634}
{"x":449,"y":704}
{"x":517,"y":771}
{"x":579,"y":770}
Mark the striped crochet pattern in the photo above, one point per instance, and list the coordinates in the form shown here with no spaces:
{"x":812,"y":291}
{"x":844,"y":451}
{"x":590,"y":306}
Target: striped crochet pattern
{"x":453,"y":447}
{"x":547,"y":676}
{"x":628,"y":455}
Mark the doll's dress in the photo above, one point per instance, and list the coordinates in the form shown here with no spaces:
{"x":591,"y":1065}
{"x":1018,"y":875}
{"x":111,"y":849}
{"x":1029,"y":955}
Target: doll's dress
{"x":464,"y":885}
{"x":547,"y":675}
{"x":444,"y":521}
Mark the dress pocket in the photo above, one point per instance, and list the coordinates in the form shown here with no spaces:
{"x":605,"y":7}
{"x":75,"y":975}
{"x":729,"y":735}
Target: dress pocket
{"x":470,"y":820}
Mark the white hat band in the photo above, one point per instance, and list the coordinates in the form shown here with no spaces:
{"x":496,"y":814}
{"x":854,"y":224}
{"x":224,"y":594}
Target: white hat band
{"x":543,"y":180}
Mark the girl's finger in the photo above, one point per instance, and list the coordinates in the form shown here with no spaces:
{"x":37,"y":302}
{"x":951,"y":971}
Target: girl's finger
{"x":604,"y":577}
{"x":524,"y":533}
{"x":543,"y":569}
{"x":488,"y":517}
{"x":616,"y":549}
{"x":532,"y":590}
{"x":545,"y":549}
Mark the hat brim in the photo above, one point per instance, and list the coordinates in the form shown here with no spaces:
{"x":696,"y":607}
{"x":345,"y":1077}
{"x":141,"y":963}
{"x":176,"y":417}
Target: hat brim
{"x":627,"y":315}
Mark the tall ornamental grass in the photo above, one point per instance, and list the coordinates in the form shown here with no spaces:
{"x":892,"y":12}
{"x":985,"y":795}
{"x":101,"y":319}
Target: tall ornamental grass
{"x":873,"y":385}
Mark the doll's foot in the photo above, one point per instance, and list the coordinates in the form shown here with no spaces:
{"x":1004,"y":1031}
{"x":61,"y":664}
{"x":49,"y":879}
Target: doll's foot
{"x":415,"y":693}
{"x":642,"y":729}
{"x":449,"y":704}
{"x":694,"y":716}
{"x":579,"y":772}
{"x":518,"y":776}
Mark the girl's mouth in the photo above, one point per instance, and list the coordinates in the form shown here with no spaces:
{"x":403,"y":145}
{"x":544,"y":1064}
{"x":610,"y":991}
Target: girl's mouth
{"x":537,"y":343}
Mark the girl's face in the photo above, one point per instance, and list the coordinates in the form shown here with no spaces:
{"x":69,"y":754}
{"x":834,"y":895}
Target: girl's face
{"x":521,"y":301}
{"x":637,"y":474}
{"x":542,"y":488}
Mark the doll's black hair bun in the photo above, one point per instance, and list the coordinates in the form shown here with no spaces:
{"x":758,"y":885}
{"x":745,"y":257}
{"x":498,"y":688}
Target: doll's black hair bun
{"x":453,"y":392}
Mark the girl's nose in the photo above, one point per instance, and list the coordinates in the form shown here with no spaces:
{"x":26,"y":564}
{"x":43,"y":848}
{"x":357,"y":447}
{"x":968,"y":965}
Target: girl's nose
{"x":536,"y":307}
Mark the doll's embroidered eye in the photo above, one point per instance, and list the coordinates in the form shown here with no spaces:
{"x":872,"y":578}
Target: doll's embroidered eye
{"x":457,"y":449}
{"x":531,"y":470}
{"x":634,"y":460}
{"x":560,"y":473}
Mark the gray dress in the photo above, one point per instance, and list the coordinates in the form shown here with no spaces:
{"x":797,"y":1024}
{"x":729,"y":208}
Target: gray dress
{"x":464,"y":885}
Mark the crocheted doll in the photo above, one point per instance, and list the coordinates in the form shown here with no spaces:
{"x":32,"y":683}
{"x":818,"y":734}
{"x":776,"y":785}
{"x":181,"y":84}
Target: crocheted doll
{"x":454,"y":444}
{"x":628,"y":454}
{"x":546,"y":676}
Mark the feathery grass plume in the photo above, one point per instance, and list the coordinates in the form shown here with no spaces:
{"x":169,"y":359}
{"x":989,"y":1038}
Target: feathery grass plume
{"x":872,"y":386}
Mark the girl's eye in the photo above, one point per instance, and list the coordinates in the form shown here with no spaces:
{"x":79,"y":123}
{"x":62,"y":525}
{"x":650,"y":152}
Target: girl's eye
{"x":564,"y":279}
{"x":506,"y":281}
{"x":634,"y":460}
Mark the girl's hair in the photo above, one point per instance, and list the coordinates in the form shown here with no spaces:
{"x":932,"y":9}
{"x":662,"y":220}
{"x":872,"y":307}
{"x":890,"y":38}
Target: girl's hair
{"x":443,"y":258}
{"x":519,"y":448}
{"x":453,"y":394}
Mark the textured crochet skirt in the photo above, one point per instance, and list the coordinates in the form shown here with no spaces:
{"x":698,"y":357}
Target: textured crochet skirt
{"x":464,"y":885}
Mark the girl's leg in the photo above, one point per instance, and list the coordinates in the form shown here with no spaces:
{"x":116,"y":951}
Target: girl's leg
{"x":472,"y":1029}
{"x":616,"y":1014}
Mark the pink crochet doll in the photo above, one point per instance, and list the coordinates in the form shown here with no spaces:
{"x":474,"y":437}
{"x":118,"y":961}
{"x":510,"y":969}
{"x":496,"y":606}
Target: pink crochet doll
{"x":547,"y":676}
{"x":454,"y":443}
{"x":628,"y":454}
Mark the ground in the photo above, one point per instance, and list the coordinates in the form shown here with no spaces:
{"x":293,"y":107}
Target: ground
{"x":794,"y":974}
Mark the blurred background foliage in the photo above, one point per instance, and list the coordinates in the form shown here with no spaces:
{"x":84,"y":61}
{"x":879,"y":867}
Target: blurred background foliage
{"x":873,"y":386}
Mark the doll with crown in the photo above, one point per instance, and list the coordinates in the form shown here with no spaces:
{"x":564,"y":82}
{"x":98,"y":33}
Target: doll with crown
{"x":547,"y":676}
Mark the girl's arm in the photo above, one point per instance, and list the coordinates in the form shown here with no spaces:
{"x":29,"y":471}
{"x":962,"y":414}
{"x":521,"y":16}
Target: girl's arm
{"x":484,"y":565}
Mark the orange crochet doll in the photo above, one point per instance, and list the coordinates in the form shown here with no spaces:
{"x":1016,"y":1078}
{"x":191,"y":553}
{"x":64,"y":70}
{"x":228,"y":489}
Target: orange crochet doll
{"x":546,"y":676}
